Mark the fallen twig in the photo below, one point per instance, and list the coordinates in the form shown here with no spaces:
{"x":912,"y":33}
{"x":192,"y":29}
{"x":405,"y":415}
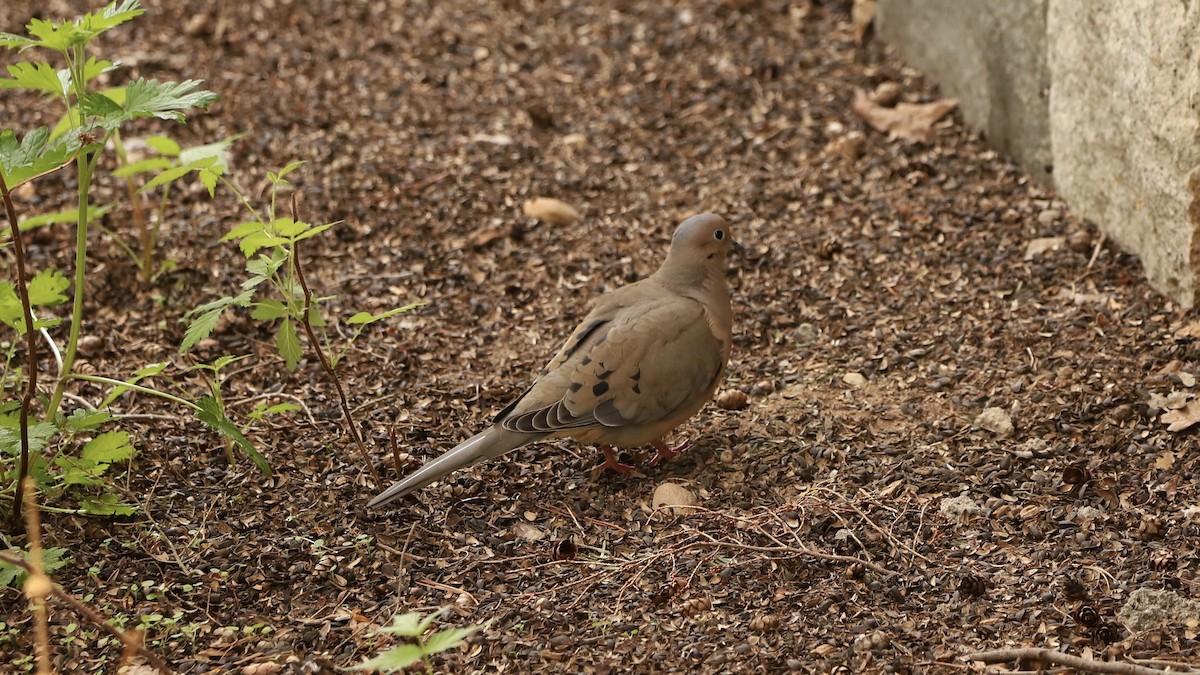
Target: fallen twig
{"x":1049,"y":656}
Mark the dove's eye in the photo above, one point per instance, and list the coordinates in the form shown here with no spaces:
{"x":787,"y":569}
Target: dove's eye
{"x":719,"y":235}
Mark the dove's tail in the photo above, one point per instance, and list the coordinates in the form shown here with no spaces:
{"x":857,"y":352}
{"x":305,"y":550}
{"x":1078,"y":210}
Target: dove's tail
{"x":490,"y":443}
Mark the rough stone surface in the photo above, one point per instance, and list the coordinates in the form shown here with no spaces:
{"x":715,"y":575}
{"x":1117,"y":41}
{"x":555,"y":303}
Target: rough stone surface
{"x":1124,"y":123}
{"x":989,"y":55}
{"x":1147,"y":609}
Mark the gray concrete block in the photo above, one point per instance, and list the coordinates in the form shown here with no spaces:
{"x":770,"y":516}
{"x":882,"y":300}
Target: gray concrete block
{"x":1125,"y":127}
{"x":989,"y":55}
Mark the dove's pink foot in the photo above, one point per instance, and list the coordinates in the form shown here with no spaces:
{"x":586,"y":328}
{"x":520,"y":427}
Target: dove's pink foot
{"x":662,"y":451}
{"x":611,"y":462}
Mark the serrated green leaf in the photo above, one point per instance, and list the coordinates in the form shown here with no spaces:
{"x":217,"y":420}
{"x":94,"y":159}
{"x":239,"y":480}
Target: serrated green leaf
{"x":67,"y":121}
{"x":253,"y":243}
{"x":212,"y":416}
{"x":39,"y":436}
{"x":10,"y":41}
{"x":53,"y":559}
{"x":34,"y":155}
{"x":392,"y":660}
{"x":167,"y":176}
{"x":428,"y":621}
{"x":288,"y":344}
{"x":209,"y":178}
{"x":200,"y":327}
{"x":96,"y":104}
{"x":107,"y":448}
{"x":269,"y":310}
{"x":62,"y":36}
{"x":40,"y":77}
{"x":82,"y":419}
{"x":163,"y":145}
{"x":143,"y":166}
{"x":11,"y":311}
{"x":227,"y":359}
{"x":405,"y":625}
{"x":165,"y":100}
{"x":315,"y":318}
{"x":46,"y":288}
{"x":242,"y":230}
{"x":447,"y":639}
{"x":106,"y":505}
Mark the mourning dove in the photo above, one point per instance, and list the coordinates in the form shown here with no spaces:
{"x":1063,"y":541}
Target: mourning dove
{"x":644,"y":360}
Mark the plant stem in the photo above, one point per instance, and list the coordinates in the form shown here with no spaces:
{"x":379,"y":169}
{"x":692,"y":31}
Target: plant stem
{"x":30,"y":347}
{"x":319,"y":349}
{"x":136,"y":387}
{"x":85,"y":179}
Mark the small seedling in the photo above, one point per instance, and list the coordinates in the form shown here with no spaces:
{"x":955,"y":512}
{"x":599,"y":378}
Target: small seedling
{"x":413,"y":625}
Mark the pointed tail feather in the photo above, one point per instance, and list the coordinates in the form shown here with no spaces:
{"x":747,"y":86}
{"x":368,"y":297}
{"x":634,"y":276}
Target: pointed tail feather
{"x":492,"y":442}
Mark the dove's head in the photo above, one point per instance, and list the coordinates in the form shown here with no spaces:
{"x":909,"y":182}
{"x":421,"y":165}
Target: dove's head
{"x":699,"y":251}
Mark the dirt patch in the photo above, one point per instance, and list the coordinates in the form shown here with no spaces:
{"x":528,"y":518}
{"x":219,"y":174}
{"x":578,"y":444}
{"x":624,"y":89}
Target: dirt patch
{"x":426,"y":126}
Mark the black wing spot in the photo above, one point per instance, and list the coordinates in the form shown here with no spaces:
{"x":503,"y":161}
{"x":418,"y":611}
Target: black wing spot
{"x":600,"y":389}
{"x":637,"y":375}
{"x":637,"y":388}
{"x":575,"y":386}
{"x":586,"y":360}
{"x":605,"y":375}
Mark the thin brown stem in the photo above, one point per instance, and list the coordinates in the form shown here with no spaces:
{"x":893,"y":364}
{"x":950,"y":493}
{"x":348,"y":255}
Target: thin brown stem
{"x":317,"y":347}
{"x":37,"y":585}
{"x":1049,"y":656}
{"x":30,"y":347}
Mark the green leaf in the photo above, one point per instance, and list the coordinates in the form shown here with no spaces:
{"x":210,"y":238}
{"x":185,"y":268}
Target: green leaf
{"x":34,"y":155}
{"x":226,"y":360}
{"x":168,"y":176}
{"x":366,"y":318}
{"x":392,"y":660}
{"x":269,"y":310}
{"x":39,"y":435}
{"x":448,"y":639}
{"x":164,"y":146}
{"x":288,"y":344}
{"x":252,"y":243}
{"x":165,"y":100}
{"x":312,"y":232}
{"x":82,"y":419}
{"x":53,"y":559}
{"x":62,"y":36}
{"x":16,"y":41}
{"x":96,"y":104}
{"x":212,"y":416}
{"x":263,"y":268}
{"x":428,"y":621}
{"x":106,"y":505}
{"x":143,"y":166}
{"x":207,"y":316}
{"x":95,"y":212}
{"x":218,"y":150}
{"x":243,"y":230}
{"x":11,"y":312}
{"x":67,"y":121}
{"x":46,"y":288}
{"x":277,"y":178}
{"x":40,"y":77}
{"x":407,"y":625}
{"x":142,"y":373}
{"x":209,"y":178}
{"x":262,"y":410}
{"x":107,"y":448}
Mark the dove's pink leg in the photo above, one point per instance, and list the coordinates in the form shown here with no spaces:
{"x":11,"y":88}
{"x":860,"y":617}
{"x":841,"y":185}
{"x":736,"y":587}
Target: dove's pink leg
{"x":661,"y":451}
{"x":611,"y":462}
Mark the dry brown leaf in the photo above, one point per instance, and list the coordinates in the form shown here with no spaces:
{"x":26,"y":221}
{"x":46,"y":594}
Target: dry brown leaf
{"x":1182,"y":418}
{"x":1165,"y":460}
{"x":526,"y":531}
{"x":552,"y":211}
{"x":678,"y":498}
{"x":862,"y":13}
{"x":1041,"y":245}
{"x":910,"y":121}
{"x":1192,"y":330}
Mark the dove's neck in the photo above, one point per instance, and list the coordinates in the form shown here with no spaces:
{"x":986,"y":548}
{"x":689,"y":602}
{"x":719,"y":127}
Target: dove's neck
{"x":702,"y":282}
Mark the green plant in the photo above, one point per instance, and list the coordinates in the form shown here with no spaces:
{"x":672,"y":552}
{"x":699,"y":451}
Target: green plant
{"x":276,"y":291}
{"x":91,"y":118}
{"x":12,"y":576}
{"x":413,"y":625}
